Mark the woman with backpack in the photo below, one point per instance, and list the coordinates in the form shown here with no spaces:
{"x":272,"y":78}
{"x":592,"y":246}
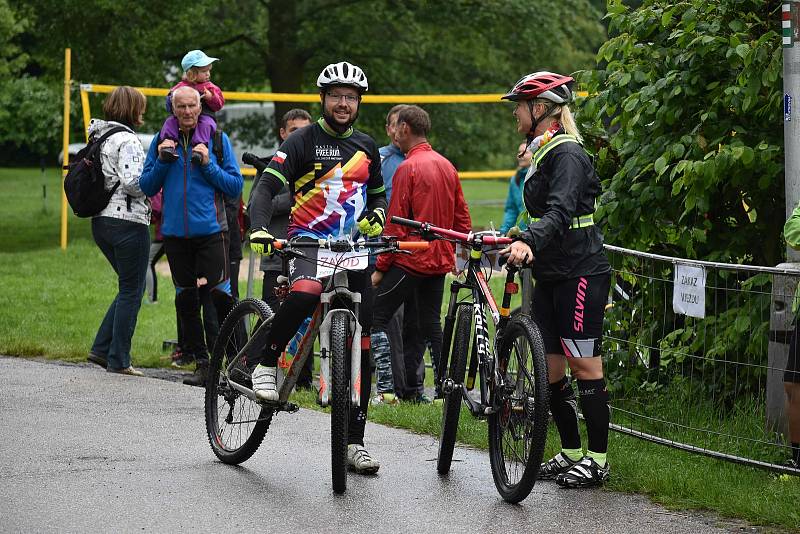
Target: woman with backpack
{"x":121,"y":229}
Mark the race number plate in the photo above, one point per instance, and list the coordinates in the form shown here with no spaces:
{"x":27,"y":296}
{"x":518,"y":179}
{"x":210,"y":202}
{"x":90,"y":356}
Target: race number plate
{"x":328,"y":261}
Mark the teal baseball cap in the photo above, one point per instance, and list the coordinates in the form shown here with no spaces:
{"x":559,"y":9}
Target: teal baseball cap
{"x":196,"y":58}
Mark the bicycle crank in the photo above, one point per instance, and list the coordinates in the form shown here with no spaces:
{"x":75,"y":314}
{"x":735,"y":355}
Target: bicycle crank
{"x":448,"y":386}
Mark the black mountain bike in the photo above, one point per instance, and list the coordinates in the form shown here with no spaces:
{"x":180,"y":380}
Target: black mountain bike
{"x":513,"y":393}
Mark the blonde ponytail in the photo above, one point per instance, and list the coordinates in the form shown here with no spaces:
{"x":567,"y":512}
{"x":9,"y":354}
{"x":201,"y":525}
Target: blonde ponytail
{"x":568,"y":122}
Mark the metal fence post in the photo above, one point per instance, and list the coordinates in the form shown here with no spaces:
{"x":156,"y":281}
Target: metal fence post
{"x":783,"y":287}
{"x":780,"y":330}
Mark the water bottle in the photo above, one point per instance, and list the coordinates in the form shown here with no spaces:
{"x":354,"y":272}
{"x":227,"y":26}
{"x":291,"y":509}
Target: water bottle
{"x":294,"y":344}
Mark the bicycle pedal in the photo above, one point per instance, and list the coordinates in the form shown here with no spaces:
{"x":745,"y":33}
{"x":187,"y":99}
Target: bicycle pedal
{"x":288,"y":407}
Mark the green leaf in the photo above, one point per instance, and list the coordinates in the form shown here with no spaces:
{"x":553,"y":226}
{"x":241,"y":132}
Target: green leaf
{"x":742,"y":50}
{"x":747,"y":155}
{"x":660,"y":165}
{"x":666,"y":18}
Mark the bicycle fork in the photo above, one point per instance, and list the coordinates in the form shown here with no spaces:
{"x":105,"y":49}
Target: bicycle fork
{"x":325,"y":344}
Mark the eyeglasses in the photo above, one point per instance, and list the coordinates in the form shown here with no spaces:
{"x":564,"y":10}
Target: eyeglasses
{"x":350,"y":99}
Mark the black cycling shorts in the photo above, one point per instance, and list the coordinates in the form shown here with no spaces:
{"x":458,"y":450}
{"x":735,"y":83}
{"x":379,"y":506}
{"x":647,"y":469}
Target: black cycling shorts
{"x":569,"y":314}
{"x":792,"y":373}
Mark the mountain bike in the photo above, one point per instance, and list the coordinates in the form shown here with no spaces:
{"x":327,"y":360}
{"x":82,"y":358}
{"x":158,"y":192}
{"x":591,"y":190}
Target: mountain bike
{"x":236,"y":422}
{"x":513,"y":394}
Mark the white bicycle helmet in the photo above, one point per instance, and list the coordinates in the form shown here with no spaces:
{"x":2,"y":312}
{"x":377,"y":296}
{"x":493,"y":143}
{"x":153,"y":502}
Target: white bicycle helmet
{"x":343,"y":73}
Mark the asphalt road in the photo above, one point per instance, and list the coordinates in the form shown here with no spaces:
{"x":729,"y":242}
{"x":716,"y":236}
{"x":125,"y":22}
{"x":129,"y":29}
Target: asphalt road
{"x":85,"y":451}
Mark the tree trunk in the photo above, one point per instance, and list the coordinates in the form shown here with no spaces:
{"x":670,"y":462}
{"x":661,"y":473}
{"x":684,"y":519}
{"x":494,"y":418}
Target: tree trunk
{"x":285,"y":61}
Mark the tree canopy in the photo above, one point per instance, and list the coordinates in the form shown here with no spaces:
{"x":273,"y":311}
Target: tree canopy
{"x":688,"y":97}
{"x":408,"y":46}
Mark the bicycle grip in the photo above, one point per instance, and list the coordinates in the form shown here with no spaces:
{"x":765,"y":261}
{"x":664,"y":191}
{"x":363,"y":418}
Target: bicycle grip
{"x":251,"y":159}
{"x":406,"y":222}
{"x":412,"y":245}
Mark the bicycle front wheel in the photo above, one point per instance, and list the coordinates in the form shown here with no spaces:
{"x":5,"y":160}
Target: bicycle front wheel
{"x":340,"y":402}
{"x":518,"y":428}
{"x":451,"y":408}
{"x":235,"y":424}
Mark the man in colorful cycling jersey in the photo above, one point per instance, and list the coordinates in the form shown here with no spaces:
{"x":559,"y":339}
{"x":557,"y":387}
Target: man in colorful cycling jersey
{"x":571,"y":271}
{"x":333,"y":173}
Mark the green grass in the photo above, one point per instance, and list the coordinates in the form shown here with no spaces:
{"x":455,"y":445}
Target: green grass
{"x":486,"y":200}
{"x":51,"y":302}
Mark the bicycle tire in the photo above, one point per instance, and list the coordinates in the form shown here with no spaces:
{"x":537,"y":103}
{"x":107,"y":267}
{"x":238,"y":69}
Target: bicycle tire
{"x":518,"y":429}
{"x":235,"y":437}
{"x":451,"y":406}
{"x":340,"y":401}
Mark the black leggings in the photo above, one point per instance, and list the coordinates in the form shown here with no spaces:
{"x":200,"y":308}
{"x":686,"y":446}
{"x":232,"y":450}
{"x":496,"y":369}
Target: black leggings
{"x":423,"y":298}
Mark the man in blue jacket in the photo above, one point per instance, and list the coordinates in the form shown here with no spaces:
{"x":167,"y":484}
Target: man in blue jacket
{"x":194,"y":224}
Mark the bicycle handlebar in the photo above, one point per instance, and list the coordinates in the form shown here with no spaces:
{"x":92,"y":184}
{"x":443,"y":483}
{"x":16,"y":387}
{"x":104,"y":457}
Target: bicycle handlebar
{"x":427,"y":229}
{"x":406,"y":222}
{"x":259,"y":163}
{"x":345,"y":245}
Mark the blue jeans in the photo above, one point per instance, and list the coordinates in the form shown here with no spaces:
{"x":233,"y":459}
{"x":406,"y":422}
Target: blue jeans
{"x":126,"y":246}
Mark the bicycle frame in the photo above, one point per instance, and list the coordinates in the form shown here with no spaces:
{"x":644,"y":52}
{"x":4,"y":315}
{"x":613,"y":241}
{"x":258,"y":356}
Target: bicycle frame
{"x":484,"y":353}
{"x":484,"y":349}
{"x":336,"y":287}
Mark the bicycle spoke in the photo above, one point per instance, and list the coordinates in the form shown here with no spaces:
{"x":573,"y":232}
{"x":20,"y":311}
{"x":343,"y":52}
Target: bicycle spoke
{"x":518,"y":430}
{"x":235,"y":423}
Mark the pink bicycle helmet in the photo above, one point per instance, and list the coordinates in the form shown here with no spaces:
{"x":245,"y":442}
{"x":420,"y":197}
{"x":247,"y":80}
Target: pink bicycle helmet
{"x":547,"y":85}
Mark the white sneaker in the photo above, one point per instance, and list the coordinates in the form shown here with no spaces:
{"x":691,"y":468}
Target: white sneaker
{"x":385,"y":398}
{"x":359,"y":460}
{"x":265,"y":383}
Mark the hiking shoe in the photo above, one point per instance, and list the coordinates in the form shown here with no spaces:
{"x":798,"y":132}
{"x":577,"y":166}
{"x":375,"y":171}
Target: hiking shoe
{"x":198,"y":378}
{"x":130,"y":371}
{"x":384,"y":399}
{"x":168,"y":154}
{"x":197,"y":159}
{"x":556,"y":465}
{"x":265,"y":383}
{"x":181,"y":359}
{"x":419,"y":399}
{"x":359,"y":460}
{"x":583,"y":474}
{"x":97,"y":359}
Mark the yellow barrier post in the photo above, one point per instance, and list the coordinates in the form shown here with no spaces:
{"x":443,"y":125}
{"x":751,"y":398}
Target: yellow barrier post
{"x":67,"y":73}
{"x":87,"y":112}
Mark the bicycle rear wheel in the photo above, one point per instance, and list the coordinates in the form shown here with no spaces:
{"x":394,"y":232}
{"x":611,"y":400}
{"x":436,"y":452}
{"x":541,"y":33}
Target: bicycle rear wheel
{"x":235,"y":424}
{"x":451,"y":407}
{"x":340,"y":401}
{"x":518,"y":429}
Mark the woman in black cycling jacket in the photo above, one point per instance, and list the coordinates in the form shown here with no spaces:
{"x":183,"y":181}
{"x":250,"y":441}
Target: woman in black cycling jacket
{"x":571,"y":271}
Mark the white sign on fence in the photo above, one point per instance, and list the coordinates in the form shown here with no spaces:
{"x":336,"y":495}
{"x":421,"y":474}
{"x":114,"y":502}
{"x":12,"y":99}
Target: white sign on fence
{"x":689,"y":291}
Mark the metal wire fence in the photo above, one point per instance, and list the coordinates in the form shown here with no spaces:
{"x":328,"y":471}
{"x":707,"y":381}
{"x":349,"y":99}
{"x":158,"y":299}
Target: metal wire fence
{"x":698,"y":382}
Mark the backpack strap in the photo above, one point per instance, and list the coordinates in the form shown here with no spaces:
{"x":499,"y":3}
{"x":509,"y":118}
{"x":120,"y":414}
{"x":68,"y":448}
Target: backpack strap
{"x":99,"y":142}
{"x":218,"y":152}
{"x":112,"y":131}
{"x":99,"y":145}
